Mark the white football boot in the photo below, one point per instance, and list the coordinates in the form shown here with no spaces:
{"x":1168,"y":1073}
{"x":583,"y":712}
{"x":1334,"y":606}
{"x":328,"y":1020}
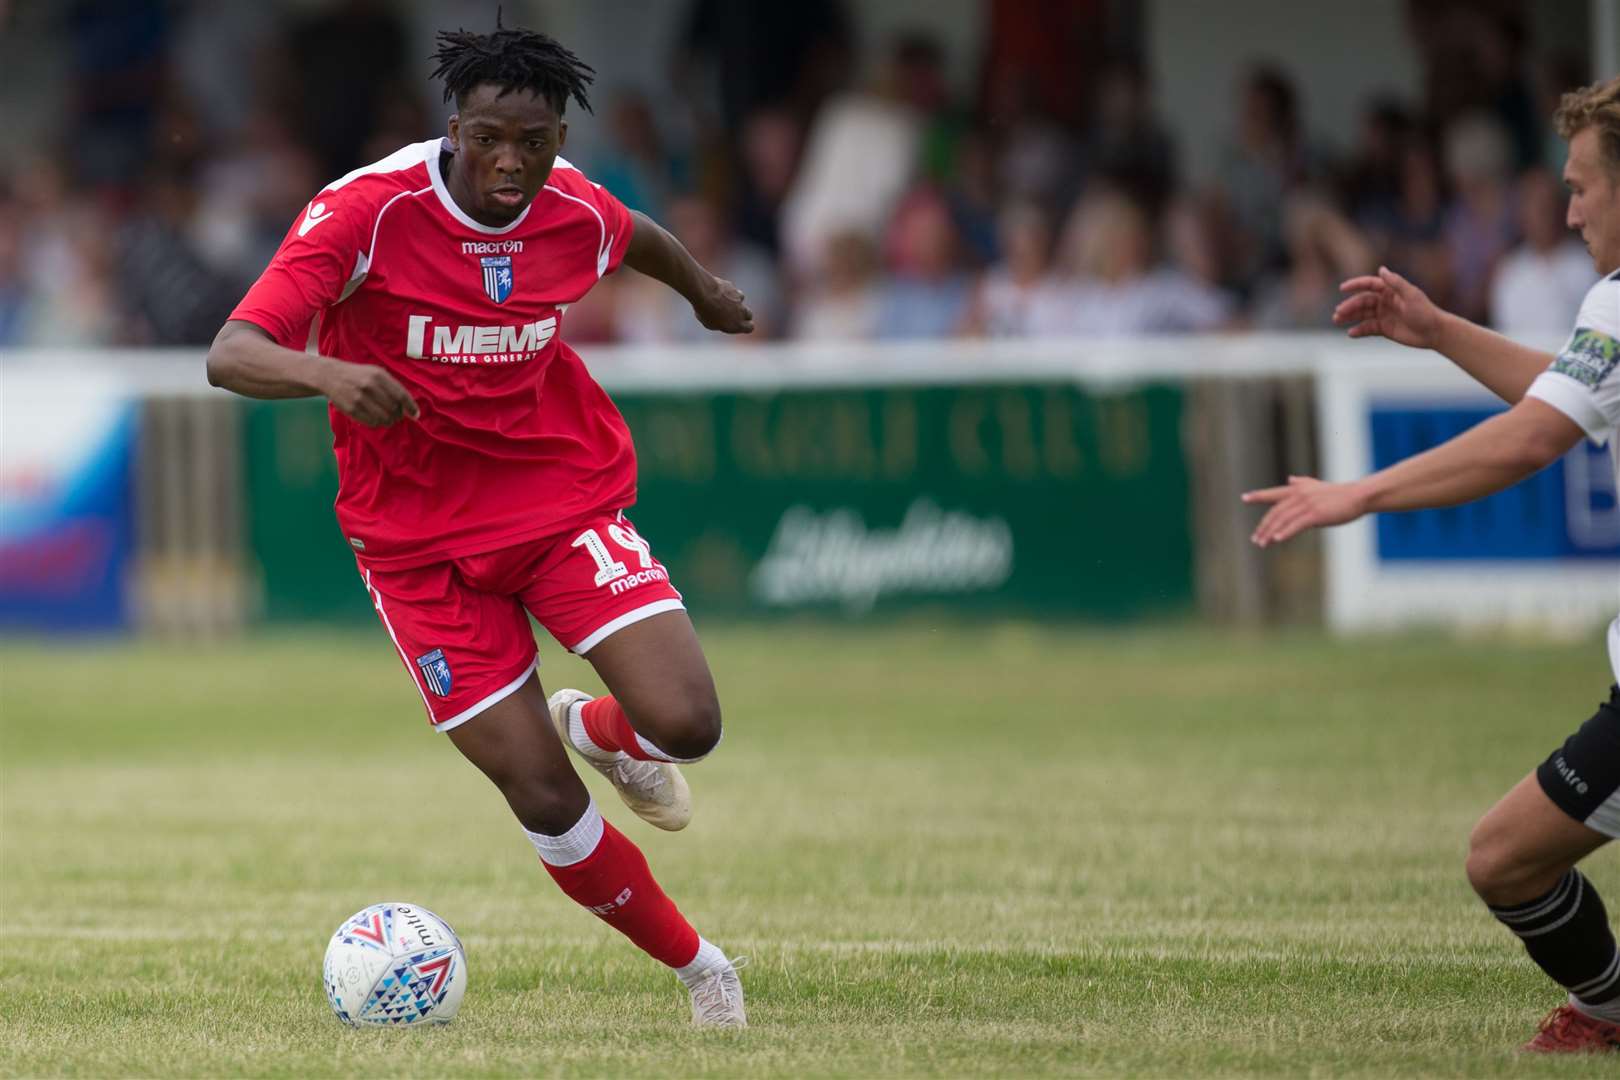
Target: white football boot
{"x":717,"y":998}
{"x":655,"y":790}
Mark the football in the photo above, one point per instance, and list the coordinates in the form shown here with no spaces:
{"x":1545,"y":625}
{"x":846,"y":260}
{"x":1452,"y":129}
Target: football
{"x":395,"y":964}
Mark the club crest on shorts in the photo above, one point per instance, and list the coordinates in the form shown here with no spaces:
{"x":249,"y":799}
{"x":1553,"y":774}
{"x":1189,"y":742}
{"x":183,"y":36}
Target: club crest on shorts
{"x":497,"y":276}
{"x":435,"y":672}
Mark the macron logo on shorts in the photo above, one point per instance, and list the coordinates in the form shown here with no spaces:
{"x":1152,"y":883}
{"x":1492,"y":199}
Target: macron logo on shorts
{"x":435,"y":672}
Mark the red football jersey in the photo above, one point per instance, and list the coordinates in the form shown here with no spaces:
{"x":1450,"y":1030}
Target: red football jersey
{"x":515,"y":440}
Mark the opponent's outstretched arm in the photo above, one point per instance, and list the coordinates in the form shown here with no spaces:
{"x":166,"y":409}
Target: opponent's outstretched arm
{"x":1387,"y":305}
{"x":717,"y":303}
{"x":244,"y":360}
{"x":1492,"y":455}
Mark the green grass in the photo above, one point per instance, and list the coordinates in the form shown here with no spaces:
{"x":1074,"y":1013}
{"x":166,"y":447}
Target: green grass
{"x":1014,"y":851}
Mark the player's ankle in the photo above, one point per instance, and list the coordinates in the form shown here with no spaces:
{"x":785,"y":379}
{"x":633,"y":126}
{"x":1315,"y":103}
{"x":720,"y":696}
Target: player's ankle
{"x":581,"y":737}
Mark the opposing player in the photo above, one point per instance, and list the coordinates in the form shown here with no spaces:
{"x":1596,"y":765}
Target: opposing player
{"x":483,"y":474}
{"x":1523,"y":853}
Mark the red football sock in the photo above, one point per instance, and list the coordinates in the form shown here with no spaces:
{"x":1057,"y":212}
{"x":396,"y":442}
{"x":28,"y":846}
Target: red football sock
{"x":608,"y":727}
{"x":615,"y":882}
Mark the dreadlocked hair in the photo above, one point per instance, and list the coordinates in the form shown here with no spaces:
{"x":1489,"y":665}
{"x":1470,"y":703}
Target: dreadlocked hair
{"x":512,"y":60}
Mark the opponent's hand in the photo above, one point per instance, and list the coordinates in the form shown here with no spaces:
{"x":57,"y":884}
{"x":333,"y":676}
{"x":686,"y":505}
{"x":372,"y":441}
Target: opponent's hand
{"x":1387,"y":305}
{"x":368,"y":394}
{"x":721,"y":308}
{"x":1304,"y":503}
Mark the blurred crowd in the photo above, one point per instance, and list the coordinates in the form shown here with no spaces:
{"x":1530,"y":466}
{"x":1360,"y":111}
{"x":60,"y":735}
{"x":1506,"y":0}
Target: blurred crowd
{"x":1052,"y":201}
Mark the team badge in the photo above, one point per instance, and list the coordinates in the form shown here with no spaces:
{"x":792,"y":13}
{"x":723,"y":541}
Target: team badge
{"x":435,"y":672}
{"x":497,"y":276}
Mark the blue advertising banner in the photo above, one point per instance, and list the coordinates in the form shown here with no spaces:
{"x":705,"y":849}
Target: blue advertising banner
{"x":1567,"y":511}
{"x":67,"y":531}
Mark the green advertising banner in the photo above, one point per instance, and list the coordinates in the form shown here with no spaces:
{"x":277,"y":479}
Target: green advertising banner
{"x":1051,"y":500}
{"x":306,"y":566}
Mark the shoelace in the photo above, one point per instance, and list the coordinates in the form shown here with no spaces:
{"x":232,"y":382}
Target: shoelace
{"x":633,"y":773}
{"x":714,"y":993}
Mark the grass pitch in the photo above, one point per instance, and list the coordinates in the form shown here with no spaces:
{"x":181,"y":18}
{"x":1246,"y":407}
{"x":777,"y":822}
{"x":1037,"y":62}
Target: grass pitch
{"x":947,"y":851}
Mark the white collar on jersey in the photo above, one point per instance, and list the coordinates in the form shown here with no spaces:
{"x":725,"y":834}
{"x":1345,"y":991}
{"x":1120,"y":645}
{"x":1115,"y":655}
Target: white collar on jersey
{"x":449,"y":203}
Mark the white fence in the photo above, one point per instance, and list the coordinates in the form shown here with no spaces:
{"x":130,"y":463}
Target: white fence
{"x":1259,"y":406}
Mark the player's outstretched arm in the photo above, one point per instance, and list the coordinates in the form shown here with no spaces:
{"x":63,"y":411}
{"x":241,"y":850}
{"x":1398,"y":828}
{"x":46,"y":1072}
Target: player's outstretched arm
{"x":1387,"y":305}
{"x":717,"y":303}
{"x":1488,"y":457}
{"x":244,"y":360}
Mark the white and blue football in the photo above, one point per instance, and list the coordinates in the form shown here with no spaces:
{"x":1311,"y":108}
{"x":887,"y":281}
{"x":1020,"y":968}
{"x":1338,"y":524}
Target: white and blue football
{"x":394,"y":965}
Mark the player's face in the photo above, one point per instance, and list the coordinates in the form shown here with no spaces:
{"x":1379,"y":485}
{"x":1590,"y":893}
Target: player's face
{"x":505,"y":146}
{"x":1594,"y":200}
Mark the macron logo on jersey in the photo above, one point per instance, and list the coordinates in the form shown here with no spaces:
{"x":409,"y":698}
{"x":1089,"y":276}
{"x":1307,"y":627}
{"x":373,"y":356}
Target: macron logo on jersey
{"x":476,"y":344}
{"x":317,"y":214}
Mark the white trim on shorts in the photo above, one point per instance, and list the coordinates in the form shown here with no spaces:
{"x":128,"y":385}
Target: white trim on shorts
{"x":613,"y":626}
{"x":504,"y":692}
{"x":1606,"y":818}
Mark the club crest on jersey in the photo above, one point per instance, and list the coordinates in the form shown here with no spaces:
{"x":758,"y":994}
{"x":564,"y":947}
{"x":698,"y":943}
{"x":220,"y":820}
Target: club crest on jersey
{"x":497,"y":276}
{"x":435,"y":672}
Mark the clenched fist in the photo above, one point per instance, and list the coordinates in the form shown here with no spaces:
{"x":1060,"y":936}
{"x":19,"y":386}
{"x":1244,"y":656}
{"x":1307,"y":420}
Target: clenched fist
{"x":721,"y":308}
{"x":369,"y":394}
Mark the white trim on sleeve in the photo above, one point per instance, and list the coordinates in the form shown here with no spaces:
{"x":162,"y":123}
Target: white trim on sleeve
{"x":1572,"y":399}
{"x":613,"y":626}
{"x":504,"y":692}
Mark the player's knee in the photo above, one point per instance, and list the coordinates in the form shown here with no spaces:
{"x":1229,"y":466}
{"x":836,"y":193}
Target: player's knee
{"x":691,"y":731}
{"x":542,"y":807}
{"x":1500,"y":872}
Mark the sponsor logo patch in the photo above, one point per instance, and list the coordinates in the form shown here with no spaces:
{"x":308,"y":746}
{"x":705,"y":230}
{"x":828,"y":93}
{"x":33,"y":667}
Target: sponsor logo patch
{"x":1588,"y":358}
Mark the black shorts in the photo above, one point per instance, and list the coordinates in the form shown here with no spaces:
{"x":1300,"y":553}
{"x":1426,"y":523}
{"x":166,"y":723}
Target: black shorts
{"x":1583,"y":775}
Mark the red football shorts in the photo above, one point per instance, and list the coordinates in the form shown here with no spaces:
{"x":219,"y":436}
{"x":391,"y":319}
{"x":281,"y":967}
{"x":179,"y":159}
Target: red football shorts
{"x":462,"y":626}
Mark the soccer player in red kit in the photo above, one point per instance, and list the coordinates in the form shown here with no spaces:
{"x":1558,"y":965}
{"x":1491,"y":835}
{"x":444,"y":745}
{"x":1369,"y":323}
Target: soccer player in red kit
{"x":483,"y":474}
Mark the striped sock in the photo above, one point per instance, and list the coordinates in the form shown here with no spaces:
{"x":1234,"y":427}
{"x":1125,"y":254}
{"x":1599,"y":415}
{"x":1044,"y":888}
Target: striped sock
{"x":1566,"y":932}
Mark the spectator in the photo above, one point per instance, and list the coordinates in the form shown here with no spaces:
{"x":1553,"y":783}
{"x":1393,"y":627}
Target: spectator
{"x":249,"y":195}
{"x":1372,"y":180}
{"x":650,"y":312}
{"x":974,"y":198}
{"x":927,"y":296}
{"x":63,"y":293}
{"x":1108,"y":285}
{"x":1008,"y":290}
{"x":117,"y":79}
{"x":769,"y":154}
{"x":1324,"y":248}
{"x":1198,"y":243}
{"x":841,"y":301}
{"x":635,"y":164}
{"x":343,"y":63}
{"x":1555,"y":74}
{"x":1266,"y":159}
{"x":1539,"y":286}
{"x":758,"y":56}
{"x":172,"y":293}
{"x":876,"y":136}
{"x":1040,"y":157}
{"x":1409,"y":234}
{"x":1480,"y":223}
{"x":1128,"y":148}
{"x":1505,"y":90}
